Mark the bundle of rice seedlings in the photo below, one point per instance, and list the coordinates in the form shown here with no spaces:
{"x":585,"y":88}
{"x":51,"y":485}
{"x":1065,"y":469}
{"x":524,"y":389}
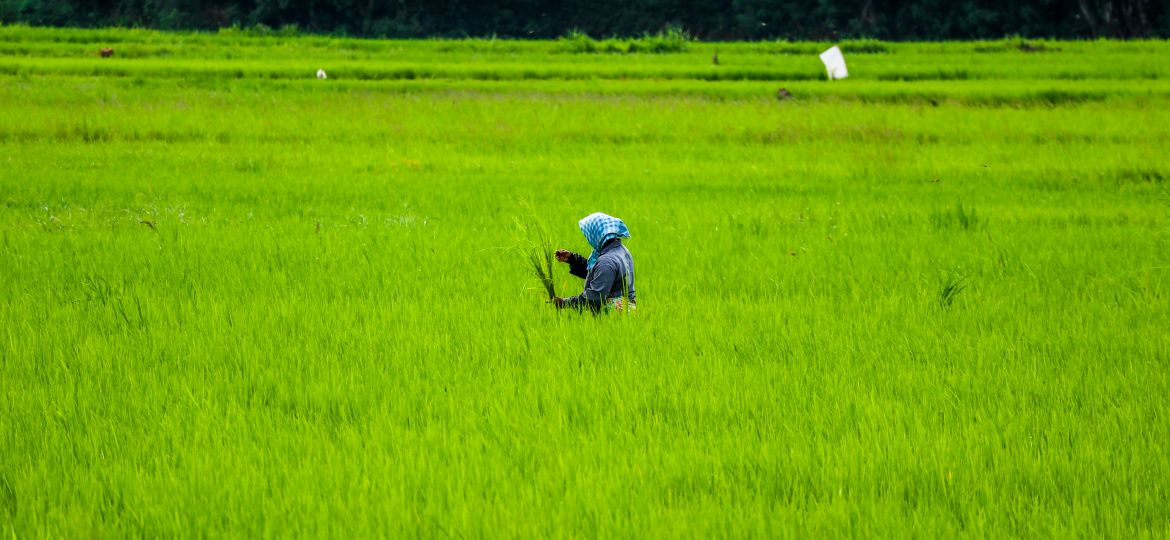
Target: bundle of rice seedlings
{"x":541,"y":260}
{"x":541,"y":255}
{"x":950,"y":289}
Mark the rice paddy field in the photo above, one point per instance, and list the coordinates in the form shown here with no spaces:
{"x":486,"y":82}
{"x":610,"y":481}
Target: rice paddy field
{"x":930,"y":300}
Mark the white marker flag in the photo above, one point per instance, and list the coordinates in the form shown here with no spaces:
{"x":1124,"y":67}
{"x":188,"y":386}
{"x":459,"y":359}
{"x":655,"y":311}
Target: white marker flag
{"x":834,"y":63}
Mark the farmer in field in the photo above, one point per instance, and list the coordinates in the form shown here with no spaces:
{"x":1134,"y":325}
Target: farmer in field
{"x":609,"y":270}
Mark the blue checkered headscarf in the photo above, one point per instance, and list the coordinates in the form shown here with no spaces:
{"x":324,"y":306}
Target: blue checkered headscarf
{"x":599,"y":229}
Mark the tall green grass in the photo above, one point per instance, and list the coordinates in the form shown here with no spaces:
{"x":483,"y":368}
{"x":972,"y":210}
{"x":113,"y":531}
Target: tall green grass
{"x":239,"y":301}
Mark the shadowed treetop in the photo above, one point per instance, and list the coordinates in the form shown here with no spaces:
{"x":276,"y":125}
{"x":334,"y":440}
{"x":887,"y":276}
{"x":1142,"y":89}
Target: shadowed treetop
{"x":703,"y":19}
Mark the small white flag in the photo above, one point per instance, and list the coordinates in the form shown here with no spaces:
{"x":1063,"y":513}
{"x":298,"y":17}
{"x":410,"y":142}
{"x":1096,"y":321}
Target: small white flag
{"x":321,"y":74}
{"x":834,"y":63}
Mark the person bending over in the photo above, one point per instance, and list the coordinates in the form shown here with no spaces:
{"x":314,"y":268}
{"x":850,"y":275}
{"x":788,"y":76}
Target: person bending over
{"x":609,"y":270}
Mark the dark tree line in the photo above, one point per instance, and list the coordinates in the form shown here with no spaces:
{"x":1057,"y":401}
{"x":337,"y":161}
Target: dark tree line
{"x":704,"y":19}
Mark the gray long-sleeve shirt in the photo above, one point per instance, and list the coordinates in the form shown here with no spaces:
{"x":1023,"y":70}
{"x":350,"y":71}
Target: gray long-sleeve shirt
{"x":612,"y":277}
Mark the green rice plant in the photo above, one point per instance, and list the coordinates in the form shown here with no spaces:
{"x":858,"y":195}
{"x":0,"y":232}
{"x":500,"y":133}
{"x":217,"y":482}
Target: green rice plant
{"x":963,"y":217}
{"x":966,"y":217}
{"x":539,"y":254}
{"x":541,"y":261}
{"x":950,"y":288}
{"x":8,"y":499}
{"x":576,"y":41}
{"x":671,"y":39}
{"x":864,"y":46}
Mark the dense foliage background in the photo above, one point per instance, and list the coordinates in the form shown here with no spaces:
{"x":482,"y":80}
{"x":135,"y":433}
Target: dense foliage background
{"x":705,"y":19}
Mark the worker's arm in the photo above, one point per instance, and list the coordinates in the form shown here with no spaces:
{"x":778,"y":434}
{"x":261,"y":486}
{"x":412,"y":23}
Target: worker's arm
{"x":596,"y":289}
{"x":578,"y":265}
